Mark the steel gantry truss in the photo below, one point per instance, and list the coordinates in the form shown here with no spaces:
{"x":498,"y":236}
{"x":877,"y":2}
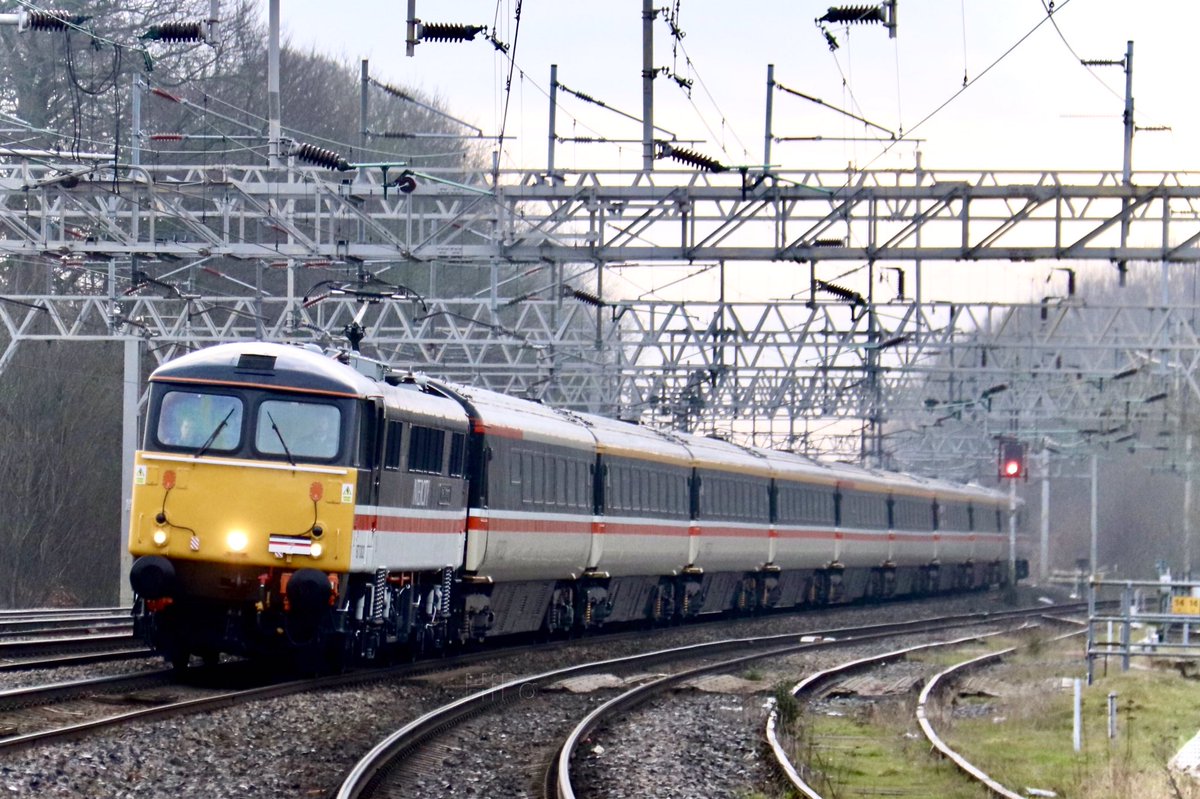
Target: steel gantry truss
{"x":770,"y":371}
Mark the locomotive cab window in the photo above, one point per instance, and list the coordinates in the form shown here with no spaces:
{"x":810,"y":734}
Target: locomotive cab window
{"x":210,"y":422}
{"x":298,"y":430}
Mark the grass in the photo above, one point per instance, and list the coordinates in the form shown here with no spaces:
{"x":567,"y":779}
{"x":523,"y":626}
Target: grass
{"x":874,"y":746}
{"x":1022,"y":739}
{"x":1026,"y":739}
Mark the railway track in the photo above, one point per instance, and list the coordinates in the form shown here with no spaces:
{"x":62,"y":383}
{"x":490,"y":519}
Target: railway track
{"x":44,"y":652}
{"x":416,"y":756}
{"x":78,"y":621}
{"x":873,"y":672}
{"x":70,"y":710}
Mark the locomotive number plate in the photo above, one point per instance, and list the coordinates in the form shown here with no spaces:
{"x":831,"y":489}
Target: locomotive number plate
{"x":289,"y":545}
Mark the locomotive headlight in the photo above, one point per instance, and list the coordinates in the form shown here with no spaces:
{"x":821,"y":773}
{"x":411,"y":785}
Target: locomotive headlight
{"x":159,"y":538}
{"x":316,"y":550}
{"x":236,"y":541}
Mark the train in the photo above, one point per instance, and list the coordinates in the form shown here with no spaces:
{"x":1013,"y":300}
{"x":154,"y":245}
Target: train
{"x":295,"y":503}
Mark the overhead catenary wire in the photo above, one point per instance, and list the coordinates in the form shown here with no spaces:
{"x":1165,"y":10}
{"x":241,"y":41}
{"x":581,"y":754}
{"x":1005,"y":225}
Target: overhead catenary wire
{"x":906,"y":135}
{"x":704,"y":86}
{"x":261,"y":121}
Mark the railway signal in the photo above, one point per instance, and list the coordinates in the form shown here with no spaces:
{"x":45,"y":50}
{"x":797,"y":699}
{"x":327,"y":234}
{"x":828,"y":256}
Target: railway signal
{"x":1012,"y":460}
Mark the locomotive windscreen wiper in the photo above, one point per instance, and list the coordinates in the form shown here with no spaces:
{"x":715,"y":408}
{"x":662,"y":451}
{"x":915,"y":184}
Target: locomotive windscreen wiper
{"x":279,"y":435}
{"x":208,"y":442}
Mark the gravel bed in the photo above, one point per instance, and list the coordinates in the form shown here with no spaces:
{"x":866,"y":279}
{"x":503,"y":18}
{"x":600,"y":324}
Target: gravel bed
{"x":706,"y":739}
{"x":300,"y":746}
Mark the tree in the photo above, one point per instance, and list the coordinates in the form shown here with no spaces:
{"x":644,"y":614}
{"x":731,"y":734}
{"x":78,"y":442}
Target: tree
{"x":61,"y":470}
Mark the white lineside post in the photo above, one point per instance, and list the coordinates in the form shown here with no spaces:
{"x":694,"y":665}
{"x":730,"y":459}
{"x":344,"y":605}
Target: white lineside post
{"x":130,"y":393}
{"x":1077,"y":717}
{"x":1044,"y":542}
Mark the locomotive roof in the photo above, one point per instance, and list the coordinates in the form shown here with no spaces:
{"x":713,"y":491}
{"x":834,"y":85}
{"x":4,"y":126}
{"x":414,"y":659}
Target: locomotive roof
{"x":268,"y":364}
{"x":291,"y":367}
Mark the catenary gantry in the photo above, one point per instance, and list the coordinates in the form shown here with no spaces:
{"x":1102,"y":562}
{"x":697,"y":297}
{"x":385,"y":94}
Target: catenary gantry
{"x":772,"y":370}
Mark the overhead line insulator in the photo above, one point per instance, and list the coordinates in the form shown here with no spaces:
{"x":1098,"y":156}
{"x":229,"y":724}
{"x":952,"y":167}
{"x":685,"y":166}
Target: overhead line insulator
{"x":176,"y":32}
{"x":841,"y":292}
{"x":51,"y":20}
{"x":321,"y":157}
{"x":448,"y":32}
{"x":692,"y":158}
{"x":392,"y":90}
{"x":586,"y":297}
{"x":853,"y":14}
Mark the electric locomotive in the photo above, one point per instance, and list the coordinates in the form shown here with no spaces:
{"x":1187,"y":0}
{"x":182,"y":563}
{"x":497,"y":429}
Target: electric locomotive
{"x":288,"y":502}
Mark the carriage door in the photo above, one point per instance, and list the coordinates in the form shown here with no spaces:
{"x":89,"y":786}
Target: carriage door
{"x":371,"y":443}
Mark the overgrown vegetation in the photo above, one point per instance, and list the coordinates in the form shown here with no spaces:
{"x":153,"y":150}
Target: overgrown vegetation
{"x":1022,"y":737}
{"x":1026,"y":739}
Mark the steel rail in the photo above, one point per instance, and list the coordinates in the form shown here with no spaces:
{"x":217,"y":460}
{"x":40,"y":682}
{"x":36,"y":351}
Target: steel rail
{"x":82,"y":659}
{"x":64,"y":627}
{"x":942,"y":678}
{"x":73,"y":644}
{"x":562,"y":786}
{"x":53,"y":613}
{"x":229,"y":698}
{"x":363,"y":777}
{"x":12,"y":698}
{"x":818,"y":680}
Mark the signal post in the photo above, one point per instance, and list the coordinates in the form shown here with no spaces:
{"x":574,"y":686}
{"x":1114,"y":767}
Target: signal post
{"x":1012,"y":468}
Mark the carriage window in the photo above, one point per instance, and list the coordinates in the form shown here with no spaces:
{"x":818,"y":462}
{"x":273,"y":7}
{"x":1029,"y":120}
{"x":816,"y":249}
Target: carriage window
{"x":527,"y":477}
{"x":391,"y":455}
{"x":298,"y":429}
{"x":188,"y":419}
{"x":458,"y":455}
{"x":425,"y":447}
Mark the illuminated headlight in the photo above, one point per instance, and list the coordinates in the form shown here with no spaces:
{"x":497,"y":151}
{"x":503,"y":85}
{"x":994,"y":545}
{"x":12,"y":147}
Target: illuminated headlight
{"x":316,"y":550}
{"x":159,"y":538}
{"x":236,"y":541}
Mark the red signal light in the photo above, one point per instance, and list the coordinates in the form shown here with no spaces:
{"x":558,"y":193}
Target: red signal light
{"x":1012,"y":460}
